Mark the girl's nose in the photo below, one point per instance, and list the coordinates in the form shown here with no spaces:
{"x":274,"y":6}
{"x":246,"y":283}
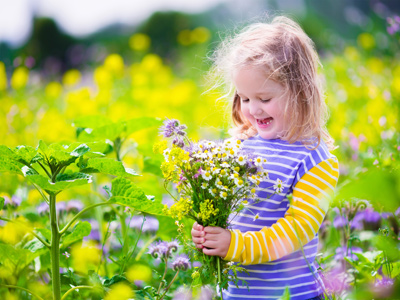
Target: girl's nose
{"x":255,"y":109}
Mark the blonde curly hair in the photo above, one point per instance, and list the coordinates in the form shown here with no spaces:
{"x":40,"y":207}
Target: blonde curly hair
{"x":288,"y":55}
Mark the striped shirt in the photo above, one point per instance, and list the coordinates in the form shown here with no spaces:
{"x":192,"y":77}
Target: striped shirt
{"x":268,"y":235}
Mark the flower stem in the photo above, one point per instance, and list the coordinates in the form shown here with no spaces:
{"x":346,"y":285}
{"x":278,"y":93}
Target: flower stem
{"x":21,"y":288}
{"x":165,"y":273}
{"x":75,"y":288}
{"x":169,"y":285}
{"x":219,"y":275}
{"x":55,"y":250}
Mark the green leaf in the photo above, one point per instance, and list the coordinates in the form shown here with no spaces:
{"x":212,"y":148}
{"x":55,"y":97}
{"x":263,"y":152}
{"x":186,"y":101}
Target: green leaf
{"x":80,"y":230}
{"x":16,"y":259}
{"x":113,"y":280}
{"x":125,"y":192}
{"x":151,"y":165}
{"x":80,"y":150}
{"x":44,"y":233}
{"x":97,"y":149}
{"x":91,"y":122}
{"x":35,"y":245}
{"x":1,"y":203}
{"x":112,"y":131}
{"x":137,"y":124}
{"x":394,"y":270}
{"x":107,"y":166}
{"x":8,"y":165}
{"x":27,"y":155}
{"x":286,"y":294}
{"x":380,"y":187}
{"x":63,"y":181}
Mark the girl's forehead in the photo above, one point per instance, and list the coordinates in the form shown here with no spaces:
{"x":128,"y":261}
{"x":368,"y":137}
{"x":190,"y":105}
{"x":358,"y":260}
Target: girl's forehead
{"x":254,"y":79}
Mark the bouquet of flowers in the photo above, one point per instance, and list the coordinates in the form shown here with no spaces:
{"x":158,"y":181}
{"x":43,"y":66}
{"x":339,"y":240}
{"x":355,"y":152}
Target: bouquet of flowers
{"x":214,"y":181}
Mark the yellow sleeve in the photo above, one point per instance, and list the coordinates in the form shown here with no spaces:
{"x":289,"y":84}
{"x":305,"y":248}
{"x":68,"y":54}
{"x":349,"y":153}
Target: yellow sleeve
{"x":310,"y":202}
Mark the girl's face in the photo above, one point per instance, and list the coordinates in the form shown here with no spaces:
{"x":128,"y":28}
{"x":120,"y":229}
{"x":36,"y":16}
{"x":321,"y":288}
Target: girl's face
{"x":262,"y":101}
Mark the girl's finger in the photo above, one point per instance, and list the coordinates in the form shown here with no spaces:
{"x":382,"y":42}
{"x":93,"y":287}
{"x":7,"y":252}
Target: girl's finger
{"x":210,"y":229}
{"x":211,"y":252}
{"x":211,"y":244}
{"x":198,"y":240}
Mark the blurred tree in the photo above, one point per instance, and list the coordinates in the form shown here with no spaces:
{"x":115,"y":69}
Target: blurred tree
{"x":163,"y":29}
{"x":47,"y":41}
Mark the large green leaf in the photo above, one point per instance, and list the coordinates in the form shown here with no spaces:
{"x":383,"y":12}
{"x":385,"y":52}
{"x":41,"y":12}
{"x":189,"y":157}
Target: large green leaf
{"x":80,"y":230}
{"x":125,"y":192}
{"x":63,"y":181}
{"x":8,"y":165}
{"x":137,"y":124}
{"x":380,"y":187}
{"x":107,"y":166}
{"x":27,"y":155}
{"x":152,"y":165}
{"x":97,"y":149}
{"x":114,"y":130}
{"x":92,"y":122}
{"x":15,"y":258}
{"x":110,"y":132}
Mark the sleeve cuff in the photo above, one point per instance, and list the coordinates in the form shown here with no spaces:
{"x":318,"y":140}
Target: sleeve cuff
{"x":236,"y":246}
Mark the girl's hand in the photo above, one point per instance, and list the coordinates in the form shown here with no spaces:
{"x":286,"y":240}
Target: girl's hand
{"x":217,"y":241}
{"x":198,"y":235}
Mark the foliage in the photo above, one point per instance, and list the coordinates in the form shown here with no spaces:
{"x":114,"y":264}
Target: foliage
{"x":98,"y":183}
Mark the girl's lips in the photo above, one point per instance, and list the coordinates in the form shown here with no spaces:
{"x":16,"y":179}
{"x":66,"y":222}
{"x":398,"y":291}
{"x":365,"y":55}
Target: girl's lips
{"x":263,"y":123}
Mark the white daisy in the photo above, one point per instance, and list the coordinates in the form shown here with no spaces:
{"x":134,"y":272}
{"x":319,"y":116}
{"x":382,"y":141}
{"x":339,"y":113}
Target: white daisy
{"x":259,"y":161}
{"x":206,"y":175}
{"x":225,"y":165}
{"x":204,"y":185}
{"x":241,"y":160}
{"x":256,"y":217}
{"x":223,"y":194}
{"x":278,"y":186}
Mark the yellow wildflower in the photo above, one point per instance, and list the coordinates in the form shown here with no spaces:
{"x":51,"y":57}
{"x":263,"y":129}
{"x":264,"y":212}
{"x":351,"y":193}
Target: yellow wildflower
{"x":71,"y":77}
{"x":120,"y":291}
{"x":139,"y":272}
{"x":114,"y":64}
{"x":3,"y":77}
{"x":139,"y":42}
{"x":19,"y":78}
{"x":160,"y":147}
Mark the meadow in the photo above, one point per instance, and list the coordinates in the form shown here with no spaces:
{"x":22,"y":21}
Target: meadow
{"x":82,"y":193}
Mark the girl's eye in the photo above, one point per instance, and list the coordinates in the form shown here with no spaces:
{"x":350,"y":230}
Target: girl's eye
{"x":245,"y":100}
{"x":265,"y":101}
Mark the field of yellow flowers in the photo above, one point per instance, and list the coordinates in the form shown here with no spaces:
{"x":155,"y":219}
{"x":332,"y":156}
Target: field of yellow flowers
{"x":80,"y":184}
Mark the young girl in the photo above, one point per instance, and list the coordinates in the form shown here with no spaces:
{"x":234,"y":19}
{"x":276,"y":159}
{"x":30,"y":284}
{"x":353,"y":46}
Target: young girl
{"x":279,"y":112}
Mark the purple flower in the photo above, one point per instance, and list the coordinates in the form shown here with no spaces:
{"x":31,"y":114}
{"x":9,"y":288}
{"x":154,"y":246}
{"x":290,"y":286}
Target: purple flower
{"x":74,"y":205}
{"x":181,"y":263}
{"x":151,"y":224}
{"x":397,"y":213}
{"x":61,"y":207}
{"x":163,"y":249}
{"x":159,"y":250}
{"x":341,"y":252}
{"x":173,"y":128}
{"x":167,"y":200}
{"x":339,"y":221}
{"x":14,"y":201}
{"x":173,"y":246}
{"x":178,"y":141}
{"x":383,"y":288}
{"x":43,"y":208}
{"x":94,"y":232}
